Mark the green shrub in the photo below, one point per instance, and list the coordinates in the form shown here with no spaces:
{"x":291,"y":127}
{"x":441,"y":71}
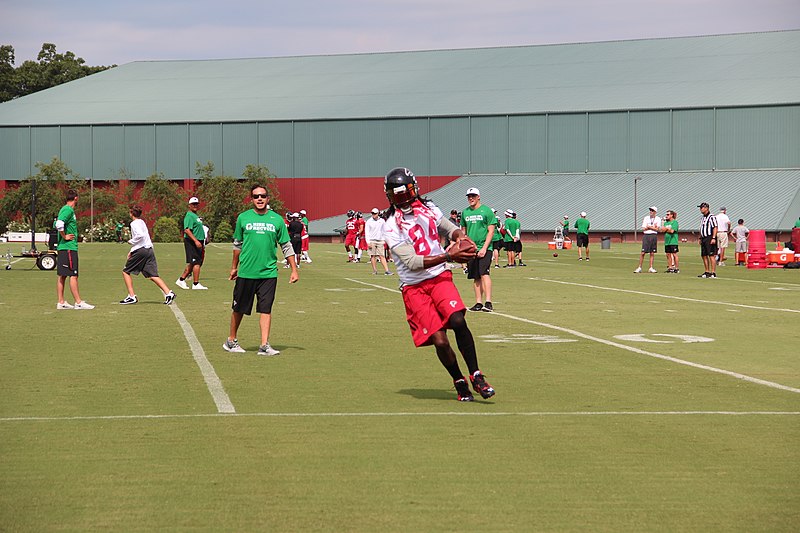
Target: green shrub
{"x":101,"y":232}
{"x":166,"y":229}
{"x":224,"y":232}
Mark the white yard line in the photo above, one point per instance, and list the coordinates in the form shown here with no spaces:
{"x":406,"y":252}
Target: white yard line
{"x":405,"y":414}
{"x":656,"y":295}
{"x":213,"y":382}
{"x":630,"y":348}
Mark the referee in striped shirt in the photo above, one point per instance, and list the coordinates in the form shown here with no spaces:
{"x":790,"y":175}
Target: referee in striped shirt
{"x":708,"y":241}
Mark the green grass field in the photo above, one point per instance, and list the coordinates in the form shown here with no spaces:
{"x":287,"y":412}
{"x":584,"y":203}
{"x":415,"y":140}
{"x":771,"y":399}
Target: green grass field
{"x":605,"y":419}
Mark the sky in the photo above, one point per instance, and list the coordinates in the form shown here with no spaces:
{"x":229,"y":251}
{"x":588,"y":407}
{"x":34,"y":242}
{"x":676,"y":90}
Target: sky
{"x":106,"y":32}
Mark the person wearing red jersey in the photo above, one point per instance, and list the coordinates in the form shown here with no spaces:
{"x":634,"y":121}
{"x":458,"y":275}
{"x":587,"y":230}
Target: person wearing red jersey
{"x":304,"y":220}
{"x":350,"y":236}
{"x":361,"y":238}
{"x":433,"y":304}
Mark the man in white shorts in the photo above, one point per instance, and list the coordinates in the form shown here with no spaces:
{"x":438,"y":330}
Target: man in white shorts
{"x":373,"y":231}
{"x":723,"y":229}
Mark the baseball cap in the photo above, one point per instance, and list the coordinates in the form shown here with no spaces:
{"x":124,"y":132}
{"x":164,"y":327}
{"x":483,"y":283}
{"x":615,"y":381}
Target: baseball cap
{"x":302,"y":211}
{"x":723,"y":208}
{"x":194,"y":200}
{"x":583,"y":213}
{"x":704,"y":204}
{"x":375,"y":211}
{"x":296,"y":215}
{"x":653,"y":208}
{"x":473,"y":190}
{"x":566,"y":216}
{"x":508,"y":213}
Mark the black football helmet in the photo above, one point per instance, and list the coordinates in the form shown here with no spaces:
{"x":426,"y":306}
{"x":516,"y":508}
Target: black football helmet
{"x":351,"y":214}
{"x":401,"y":186}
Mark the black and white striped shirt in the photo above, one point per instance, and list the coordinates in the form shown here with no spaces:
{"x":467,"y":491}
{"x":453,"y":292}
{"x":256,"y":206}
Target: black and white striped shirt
{"x":707,"y":225}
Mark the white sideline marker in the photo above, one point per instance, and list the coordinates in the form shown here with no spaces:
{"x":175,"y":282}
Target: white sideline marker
{"x":632,"y":349}
{"x":403,"y":414}
{"x":213,"y":382}
{"x":614,"y":289}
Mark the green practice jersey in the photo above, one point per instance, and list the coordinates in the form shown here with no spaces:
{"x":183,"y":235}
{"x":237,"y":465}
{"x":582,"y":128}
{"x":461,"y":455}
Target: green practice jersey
{"x":582,"y":225}
{"x":671,"y":238}
{"x":259,"y":236}
{"x":67,"y":216}
{"x":192,"y":222}
{"x":512,"y":229}
{"x":476,"y":223}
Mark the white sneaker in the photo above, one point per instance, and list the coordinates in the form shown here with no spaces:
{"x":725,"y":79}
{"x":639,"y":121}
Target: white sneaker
{"x":721,"y":263}
{"x":169,"y":298}
{"x":232,"y":346}
{"x":266,"y":349}
{"x":652,"y":270}
{"x":84,"y":305}
{"x":199,"y":287}
{"x":638,"y":270}
{"x":182,"y":284}
{"x":65,"y":305}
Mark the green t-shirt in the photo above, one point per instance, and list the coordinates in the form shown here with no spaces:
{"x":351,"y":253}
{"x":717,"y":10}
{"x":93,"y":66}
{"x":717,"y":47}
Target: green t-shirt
{"x":797,"y":224}
{"x":67,"y":216}
{"x":512,"y":227}
{"x":259,"y":235}
{"x":671,"y":238}
{"x":582,"y":225}
{"x":304,"y":220}
{"x":476,"y":223}
{"x":192,"y":222}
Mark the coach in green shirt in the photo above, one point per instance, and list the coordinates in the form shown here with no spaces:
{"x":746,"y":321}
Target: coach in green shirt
{"x":479,"y":224}
{"x":258,"y":233}
{"x":670,"y":229}
{"x":582,"y":235}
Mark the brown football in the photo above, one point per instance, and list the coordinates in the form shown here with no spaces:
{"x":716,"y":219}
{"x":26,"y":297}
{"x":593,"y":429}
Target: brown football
{"x":462,"y":246}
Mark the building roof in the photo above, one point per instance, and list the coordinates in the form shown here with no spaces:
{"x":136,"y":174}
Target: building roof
{"x":711,"y":71}
{"x":541,"y":201}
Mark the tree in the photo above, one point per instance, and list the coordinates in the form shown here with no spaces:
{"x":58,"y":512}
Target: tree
{"x":163,"y":198}
{"x":52,"y":180}
{"x":50,"y":69}
{"x":261,"y":175}
{"x":224,"y":196}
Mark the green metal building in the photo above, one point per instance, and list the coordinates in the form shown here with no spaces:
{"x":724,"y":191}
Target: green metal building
{"x":544,"y":130}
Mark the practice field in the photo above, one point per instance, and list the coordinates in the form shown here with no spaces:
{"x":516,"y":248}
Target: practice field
{"x":625,"y":402}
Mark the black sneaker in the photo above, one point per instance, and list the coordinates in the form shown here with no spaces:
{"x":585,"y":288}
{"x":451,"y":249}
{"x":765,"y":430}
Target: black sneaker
{"x":169,"y":298}
{"x":481,"y":387}
{"x":476,"y":307}
{"x":129,"y":300}
{"x":487,"y":307}
{"x":713,"y":275}
{"x":704,"y":275}
{"x":464,"y":395}
{"x":524,"y":265}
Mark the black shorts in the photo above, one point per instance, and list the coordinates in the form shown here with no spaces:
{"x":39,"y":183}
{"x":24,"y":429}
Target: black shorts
{"x":142,"y":260}
{"x":650,"y":243}
{"x":514,"y":247}
{"x":246,"y":290}
{"x":671,"y":248}
{"x":67,"y":263}
{"x":297,"y":244}
{"x":583,"y":240}
{"x":498,"y":245}
{"x":194,"y":255}
{"x":707,"y":247}
{"x":480,"y":266}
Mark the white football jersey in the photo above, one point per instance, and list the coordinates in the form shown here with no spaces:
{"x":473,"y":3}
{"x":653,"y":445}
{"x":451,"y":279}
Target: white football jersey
{"x":420,"y":230}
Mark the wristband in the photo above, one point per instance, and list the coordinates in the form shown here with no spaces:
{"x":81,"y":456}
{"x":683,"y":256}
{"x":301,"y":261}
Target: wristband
{"x":447,"y":258}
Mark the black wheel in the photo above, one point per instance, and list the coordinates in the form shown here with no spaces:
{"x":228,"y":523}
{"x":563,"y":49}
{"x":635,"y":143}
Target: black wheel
{"x":46,"y":262}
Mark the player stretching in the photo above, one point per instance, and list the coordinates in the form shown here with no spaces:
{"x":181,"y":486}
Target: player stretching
{"x":432,"y":301}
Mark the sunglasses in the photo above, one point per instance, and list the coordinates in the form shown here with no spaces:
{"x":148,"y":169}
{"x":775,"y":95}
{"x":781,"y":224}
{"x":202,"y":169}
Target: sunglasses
{"x":256,"y":196}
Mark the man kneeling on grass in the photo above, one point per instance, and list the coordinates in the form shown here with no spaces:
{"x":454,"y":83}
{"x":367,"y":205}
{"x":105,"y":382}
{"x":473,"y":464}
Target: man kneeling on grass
{"x":142,"y":259}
